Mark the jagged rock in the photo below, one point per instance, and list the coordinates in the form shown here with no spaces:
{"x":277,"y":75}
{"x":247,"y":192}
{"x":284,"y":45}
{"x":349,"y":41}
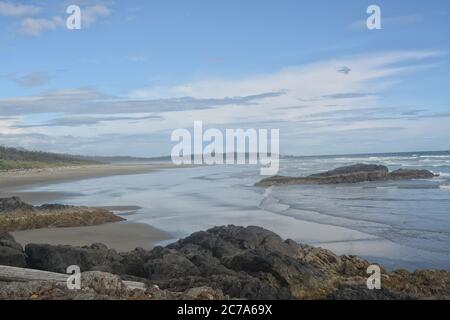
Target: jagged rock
{"x":349,"y":174}
{"x":14,"y":204}
{"x":133,"y":263}
{"x":202,"y":293}
{"x":58,"y":258}
{"x":169,"y":264}
{"x":102,"y":282}
{"x":255,"y":263}
{"x":11,"y":252}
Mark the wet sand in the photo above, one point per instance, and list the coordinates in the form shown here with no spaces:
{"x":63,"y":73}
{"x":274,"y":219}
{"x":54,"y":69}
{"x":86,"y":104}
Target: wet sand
{"x":121,"y":236}
{"x":12,"y":182}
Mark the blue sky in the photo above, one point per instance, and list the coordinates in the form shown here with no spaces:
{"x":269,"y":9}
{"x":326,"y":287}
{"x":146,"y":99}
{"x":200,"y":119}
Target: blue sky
{"x":139,"y":69}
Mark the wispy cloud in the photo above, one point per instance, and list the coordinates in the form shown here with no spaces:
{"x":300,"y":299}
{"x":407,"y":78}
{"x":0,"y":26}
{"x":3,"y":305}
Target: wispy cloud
{"x":348,"y":95}
{"x":91,"y":101}
{"x":90,"y":15}
{"x":77,"y":121}
{"x":36,"y":26}
{"x":8,"y":8}
{"x":32,"y":79}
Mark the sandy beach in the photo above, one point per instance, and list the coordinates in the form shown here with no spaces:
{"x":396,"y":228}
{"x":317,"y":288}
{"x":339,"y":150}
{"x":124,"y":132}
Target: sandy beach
{"x":11,"y":182}
{"x":121,"y":236}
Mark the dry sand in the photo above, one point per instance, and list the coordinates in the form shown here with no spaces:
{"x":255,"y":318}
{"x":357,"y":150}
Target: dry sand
{"x":11,"y":180}
{"x":121,"y":236}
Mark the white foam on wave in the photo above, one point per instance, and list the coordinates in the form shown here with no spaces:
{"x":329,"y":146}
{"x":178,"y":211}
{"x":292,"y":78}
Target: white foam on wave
{"x":444,"y":187}
{"x":271,"y":203}
{"x":441,"y":156}
{"x":443,"y":174}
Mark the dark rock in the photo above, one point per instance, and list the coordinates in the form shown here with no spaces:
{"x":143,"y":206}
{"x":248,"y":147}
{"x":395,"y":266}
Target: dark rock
{"x":58,"y":258}
{"x":349,"y":174}
{"x":14,"y":203}
{"x":249,"y":263}
{"x":240,"y":262}
{"x":169,"y":264}
{"x":11,"y":252}
{"x":369,"y":168}
{"x":403,"y":174}
{"x":133,"y":263}
{"x":54,"y":206}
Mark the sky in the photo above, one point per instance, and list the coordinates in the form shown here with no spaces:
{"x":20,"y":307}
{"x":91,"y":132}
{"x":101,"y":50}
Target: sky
{"x":137,"y":70}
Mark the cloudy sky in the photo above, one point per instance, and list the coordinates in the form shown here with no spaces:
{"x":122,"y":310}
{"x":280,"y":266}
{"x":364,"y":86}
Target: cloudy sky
{"x":139,"y":69}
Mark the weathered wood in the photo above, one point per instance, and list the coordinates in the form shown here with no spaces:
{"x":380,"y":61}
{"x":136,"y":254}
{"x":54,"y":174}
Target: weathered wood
{"x":10,"y":274}
{"x":14,"y":274}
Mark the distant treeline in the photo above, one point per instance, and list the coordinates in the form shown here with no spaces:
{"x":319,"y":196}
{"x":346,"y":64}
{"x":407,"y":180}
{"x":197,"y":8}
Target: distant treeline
{"x":13,"y":159}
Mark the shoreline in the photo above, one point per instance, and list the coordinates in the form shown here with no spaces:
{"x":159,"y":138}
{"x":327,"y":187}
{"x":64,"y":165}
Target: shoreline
{"x":11,"y":180}
{"x":121,"y":236}
{"x":14,"y":183}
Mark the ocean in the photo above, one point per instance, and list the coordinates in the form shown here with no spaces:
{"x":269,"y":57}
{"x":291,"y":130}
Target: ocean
{"x":400,"y":224}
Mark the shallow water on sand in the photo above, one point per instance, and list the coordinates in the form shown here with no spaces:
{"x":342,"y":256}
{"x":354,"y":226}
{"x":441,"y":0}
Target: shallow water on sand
{"x":402,"y":224}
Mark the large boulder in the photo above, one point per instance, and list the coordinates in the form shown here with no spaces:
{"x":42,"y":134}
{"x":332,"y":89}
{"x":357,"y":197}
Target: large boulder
{"x":249,"y":263}
{"x":14,"y":204}
{"x":58,"y":258}
{"x":96,"y":257}
{"x":11,"y":252}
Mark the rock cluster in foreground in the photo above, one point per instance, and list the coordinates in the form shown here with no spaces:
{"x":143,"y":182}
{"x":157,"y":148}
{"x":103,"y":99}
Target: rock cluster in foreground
{"x":222,"y":262}
{"x":349,"y":174}
{"x":17,"y":215}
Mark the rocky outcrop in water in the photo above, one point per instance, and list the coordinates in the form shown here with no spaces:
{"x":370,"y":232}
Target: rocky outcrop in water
{"x":349,"y":174}
{"x":243,"y":262}
{"x":17,"y":215}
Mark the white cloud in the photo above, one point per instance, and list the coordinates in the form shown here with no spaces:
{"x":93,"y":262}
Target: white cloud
{"x":7,"y":126}
{"x":8,"y":8}
{"x":90,"y":15}
{"x":36,"y":26}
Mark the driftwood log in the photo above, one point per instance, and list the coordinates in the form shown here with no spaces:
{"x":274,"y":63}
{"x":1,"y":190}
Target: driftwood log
{"x":14,"y":274}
